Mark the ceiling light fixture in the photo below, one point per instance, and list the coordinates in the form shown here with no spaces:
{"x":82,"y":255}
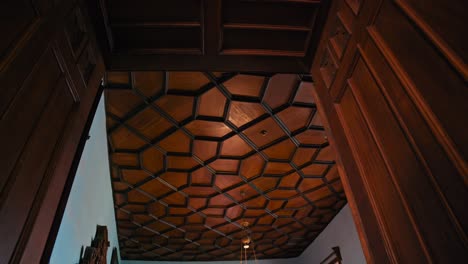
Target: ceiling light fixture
{"x":246,"y":244}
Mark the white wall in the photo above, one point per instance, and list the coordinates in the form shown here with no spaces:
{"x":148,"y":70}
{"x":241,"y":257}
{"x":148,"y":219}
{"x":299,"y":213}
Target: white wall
{"x":90,"y":202}
{"x":340,"y":232}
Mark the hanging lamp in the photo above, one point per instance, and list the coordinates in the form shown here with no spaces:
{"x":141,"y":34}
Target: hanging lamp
{"x":247,"y":245}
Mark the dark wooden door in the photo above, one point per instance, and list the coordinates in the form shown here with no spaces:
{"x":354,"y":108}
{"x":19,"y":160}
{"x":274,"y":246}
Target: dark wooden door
{"x":50,"y":72}
{"x":391,"y":77}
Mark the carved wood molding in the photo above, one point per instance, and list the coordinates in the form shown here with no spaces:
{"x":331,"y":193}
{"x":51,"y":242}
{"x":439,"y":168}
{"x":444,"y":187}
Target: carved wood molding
{"x":97,"y":252}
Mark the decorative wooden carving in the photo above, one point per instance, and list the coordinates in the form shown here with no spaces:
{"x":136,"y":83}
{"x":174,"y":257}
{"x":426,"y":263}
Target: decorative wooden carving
{"x":97,"y":252}
{"x":184,"y":146}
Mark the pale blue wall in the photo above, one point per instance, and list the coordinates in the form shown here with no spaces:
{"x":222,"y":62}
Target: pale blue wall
{"x":340,"y":232}
{"x":90,"y":202}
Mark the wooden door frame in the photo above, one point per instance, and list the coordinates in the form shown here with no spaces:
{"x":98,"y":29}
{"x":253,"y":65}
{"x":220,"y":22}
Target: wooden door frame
{"x":47,"y":252}
{"x":345,"y":166}
{"x":367,"y":227}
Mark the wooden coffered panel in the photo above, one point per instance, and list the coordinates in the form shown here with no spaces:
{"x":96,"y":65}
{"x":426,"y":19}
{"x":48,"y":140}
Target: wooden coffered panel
{"x":193,"y":154}
{"x":268,"y":36}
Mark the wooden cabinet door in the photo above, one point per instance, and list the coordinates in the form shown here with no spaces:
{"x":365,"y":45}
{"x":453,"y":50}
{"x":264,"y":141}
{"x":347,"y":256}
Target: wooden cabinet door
{"x":50,"y":72}
{"x":391,"y":77}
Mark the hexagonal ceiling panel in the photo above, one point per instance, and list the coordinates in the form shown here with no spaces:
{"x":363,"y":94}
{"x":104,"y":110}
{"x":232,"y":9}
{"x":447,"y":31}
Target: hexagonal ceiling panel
{"x":194,"y":154}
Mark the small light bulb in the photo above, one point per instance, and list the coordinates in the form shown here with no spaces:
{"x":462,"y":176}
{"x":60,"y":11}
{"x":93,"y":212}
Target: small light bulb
{"x":246,"y":246}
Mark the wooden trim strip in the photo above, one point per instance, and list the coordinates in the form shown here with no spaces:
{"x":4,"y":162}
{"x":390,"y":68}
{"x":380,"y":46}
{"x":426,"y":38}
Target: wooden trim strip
{"x":189,"y":51}
{"x":176,"y":24}
{"x":266,"y":27}
{"x":372,"y":130}
{"x":261,"y":52}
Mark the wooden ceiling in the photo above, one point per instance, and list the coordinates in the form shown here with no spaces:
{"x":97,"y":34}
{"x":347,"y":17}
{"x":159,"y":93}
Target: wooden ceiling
{"x":267,"y":36}
{"x":194,"y":154}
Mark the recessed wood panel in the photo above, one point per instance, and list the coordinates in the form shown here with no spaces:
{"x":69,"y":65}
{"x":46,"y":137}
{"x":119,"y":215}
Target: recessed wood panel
{"x":272,"y":13}
{"x":178,"y":107}
{"x":387,"y":196}
{"x":256,"y":40}
{"x":149,"y":83}
{"x":241,"y":113}
{"x":208,"y":128}
{"x":130,"y":101}
{"x":210,"y":34}
{"x":282,"y":150}
{"x":296,"y":117}
{"x":43,"y":80}
{"x":247,"y":85}
{"x":191,"y":81}
{"x":212,"y":103}
{"x":444,"y":18}
{"x":43,"y":141}
{"x":149,"y":123}
{"x":148,"y":11}
{"x":265,"y":132}
{"x":156,"y":40}
{"x":216,"y":153}
{"x":280,"y":89}
{"x":431,"y":91}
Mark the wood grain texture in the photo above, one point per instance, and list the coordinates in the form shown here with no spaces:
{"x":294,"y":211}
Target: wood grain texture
{"x":245,"y":150}
{"x":217,"y":34}
{"x":393,"y":105}
{"x":51,"y":72}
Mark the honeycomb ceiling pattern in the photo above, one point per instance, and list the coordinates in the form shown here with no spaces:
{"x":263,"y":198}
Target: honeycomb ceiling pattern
{"x":194,"y":154}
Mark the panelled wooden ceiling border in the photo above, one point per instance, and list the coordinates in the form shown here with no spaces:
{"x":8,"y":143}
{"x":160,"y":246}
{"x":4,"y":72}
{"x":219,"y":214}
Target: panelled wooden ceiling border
{"x":213,"y":35}
{"x":193,"y":154}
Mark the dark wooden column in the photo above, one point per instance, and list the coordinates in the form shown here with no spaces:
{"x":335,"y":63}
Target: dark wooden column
{"x":391,"y":78}
{"x":50,"y":72}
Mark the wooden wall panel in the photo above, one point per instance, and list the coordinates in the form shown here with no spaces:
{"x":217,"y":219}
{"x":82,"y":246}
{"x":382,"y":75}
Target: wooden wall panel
{"x":393,"y":105}
{"x":377,"y":178}
{"x":50,"y":69}
{"x":218,"y":35}
{"x":406,"y":49}
{"x":441,"y":22}
{"x":43,"y":142}
{"x":43,"y":78}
